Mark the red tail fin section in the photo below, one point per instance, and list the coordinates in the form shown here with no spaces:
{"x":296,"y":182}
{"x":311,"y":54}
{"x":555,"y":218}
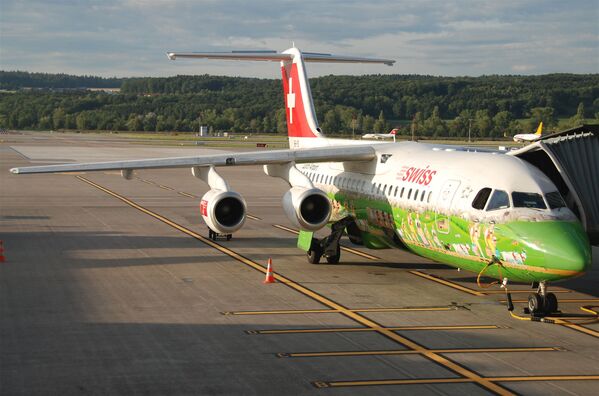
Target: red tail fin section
{"x":301,"y":120}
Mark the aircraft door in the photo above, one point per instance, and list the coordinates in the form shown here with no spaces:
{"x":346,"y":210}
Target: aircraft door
{"x":443,"y":206}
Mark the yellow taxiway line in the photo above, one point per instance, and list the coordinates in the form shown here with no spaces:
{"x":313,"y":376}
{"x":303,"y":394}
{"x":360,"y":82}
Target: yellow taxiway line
{"x":524,"y":291}
{"x":448,"y":283}
{"x":564,"y":300}
{"x":376,"y":328}
{"x":186,"y":194}
{"x":316,"y":311}
{"x":412,"y":352}
{"x":580,"y":328}
{"x":344,"y":248}
{"x":428,"y":381}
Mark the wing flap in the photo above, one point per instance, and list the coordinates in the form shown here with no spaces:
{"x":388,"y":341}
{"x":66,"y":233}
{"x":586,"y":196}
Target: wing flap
{"x":320,"y":154}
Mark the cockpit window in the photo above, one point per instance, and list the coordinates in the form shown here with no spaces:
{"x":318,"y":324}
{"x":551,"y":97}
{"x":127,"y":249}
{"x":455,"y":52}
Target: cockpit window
{"x":528,"y":200}
{"x":499,"y":200}
{"x":555,"y":200}
{"x":481,"y":198}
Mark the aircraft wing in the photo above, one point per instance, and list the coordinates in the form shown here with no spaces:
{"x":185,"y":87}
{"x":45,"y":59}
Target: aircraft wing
{"x":319,"y":154}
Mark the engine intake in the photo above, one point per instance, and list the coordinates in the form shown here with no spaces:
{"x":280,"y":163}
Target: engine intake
{"x":223,"y":211}
{"x":308,"y":209}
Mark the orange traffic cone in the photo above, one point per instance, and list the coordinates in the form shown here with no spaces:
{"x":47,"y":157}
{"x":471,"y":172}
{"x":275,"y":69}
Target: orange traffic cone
{"x":270,"y":278}
{"x":2,"y":259}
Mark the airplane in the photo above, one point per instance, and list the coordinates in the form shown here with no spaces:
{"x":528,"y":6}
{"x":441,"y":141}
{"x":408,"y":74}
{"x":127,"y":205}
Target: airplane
{"x":377,"y":136}
{"x":486,"y":212}
{"x":530,"y":137}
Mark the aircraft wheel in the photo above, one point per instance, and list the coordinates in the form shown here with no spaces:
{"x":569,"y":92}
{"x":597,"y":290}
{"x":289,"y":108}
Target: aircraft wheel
{"x":210,"y":234}
{"x":535,"y":303}
{"x":335,"y":259}
{"x":550,"y":303}
{"x":229,"y":236}
{"x":314,"y":256}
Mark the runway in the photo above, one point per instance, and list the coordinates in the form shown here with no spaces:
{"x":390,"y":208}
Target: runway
{"x":112,"y":287}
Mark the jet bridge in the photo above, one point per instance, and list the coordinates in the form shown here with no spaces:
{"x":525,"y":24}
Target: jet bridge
{"x":570,"y":159}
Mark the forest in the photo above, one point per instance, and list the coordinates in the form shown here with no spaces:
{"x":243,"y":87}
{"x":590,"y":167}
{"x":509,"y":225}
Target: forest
{"x":489,"y":106}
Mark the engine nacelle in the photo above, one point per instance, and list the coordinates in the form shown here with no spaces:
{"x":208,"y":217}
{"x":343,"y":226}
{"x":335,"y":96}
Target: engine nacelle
{"x":307,"y":208}
{"x":223,"y":211}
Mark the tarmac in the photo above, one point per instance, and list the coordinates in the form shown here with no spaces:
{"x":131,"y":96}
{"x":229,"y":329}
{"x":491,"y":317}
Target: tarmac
{"x":111,"y":286}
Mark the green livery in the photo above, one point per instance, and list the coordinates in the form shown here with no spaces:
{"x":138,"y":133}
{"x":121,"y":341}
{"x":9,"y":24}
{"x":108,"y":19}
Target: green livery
{"x":522,"y":251}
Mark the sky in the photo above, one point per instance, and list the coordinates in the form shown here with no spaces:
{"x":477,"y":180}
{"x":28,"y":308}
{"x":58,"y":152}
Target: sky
{"x":127,"y":38}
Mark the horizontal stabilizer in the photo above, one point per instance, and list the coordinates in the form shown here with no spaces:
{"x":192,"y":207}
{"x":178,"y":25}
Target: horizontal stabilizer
{"x":277,"y":57}
{"x":235,"y":55}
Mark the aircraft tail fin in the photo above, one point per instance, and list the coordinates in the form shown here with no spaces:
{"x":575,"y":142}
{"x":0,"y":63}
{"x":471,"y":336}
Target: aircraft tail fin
{"x":302,"y":124}
{"x":539,"y":131}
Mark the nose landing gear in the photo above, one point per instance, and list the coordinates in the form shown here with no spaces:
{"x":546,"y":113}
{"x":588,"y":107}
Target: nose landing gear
{"x":542,"y":303}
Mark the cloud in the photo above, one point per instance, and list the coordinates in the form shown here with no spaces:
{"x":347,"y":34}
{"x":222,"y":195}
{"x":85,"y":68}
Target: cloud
{"x":466,"y":37}
{"x":523,"y":68}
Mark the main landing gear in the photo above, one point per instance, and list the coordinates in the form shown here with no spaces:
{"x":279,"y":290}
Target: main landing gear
{"x":329,"y":247}
{"x":215,"y":235}
{"x":541,"y":302}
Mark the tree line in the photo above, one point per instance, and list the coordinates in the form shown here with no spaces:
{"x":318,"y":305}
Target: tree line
{"x":10,"y":80}
{"x":487,"y":106}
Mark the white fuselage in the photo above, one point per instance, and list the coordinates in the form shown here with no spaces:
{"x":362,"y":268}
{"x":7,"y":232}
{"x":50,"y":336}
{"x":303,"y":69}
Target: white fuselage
{"x":426,"y":177}
{"x":526,"y":137}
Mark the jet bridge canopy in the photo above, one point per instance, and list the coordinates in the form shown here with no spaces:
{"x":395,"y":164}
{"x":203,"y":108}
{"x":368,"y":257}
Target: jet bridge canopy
{"x":571,"y":160}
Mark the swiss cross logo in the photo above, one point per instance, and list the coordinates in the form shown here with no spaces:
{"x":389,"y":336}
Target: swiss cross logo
{"x":204,"y":207}
{"x":291,"y":100}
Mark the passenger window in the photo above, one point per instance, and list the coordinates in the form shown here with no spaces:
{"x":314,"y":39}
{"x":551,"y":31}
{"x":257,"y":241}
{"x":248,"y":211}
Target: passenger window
{"x":401,"y":193}
{"x":422,"y":195}
{"x":555,"y":200}
{"x":528,"y":200}
{"x":385,"y":190}
{"x":395,"y":193}
{"x":428,"y":199}
{"x":481,"y":198}
{"x":409,"y":193}
{"x":499,"y":200}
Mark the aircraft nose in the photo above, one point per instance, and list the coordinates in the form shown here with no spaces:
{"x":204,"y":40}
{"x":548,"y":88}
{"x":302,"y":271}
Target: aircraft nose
{"x":566,"y":247}
{"x":561,"y":247}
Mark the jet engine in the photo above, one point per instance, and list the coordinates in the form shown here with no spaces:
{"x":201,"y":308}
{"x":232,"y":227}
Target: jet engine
{"x":223,"y":211}
{"x":307,"y":208}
